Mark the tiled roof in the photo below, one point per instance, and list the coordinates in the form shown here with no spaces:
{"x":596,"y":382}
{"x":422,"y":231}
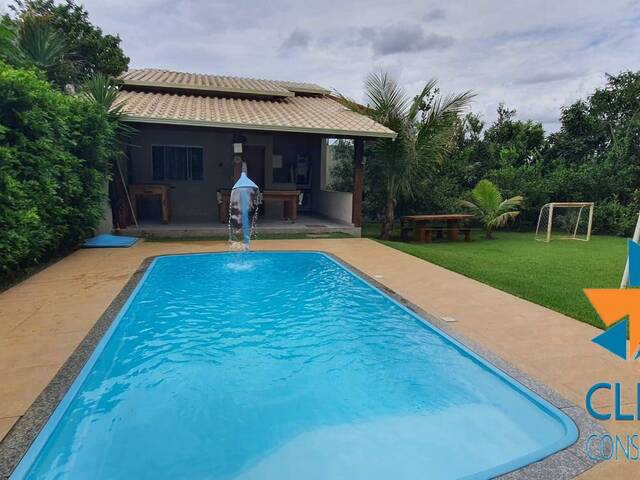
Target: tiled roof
{"x":167,"y":79}
{"x":300,"y":87}
{"x":310,"y":114}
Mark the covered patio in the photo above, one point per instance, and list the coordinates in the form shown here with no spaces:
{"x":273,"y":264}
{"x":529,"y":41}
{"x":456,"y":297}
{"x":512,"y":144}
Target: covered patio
{"x":194,"y":133}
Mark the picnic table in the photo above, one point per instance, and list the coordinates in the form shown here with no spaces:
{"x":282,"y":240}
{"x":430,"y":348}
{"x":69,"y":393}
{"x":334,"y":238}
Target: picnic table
{"x":420,"y":224}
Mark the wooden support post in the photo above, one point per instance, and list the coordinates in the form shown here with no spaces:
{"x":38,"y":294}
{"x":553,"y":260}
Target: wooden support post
{"x":358,"y":181}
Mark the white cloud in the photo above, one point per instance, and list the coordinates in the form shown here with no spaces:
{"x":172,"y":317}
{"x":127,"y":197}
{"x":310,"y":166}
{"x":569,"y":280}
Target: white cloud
{"x":434,"y":15}
{"x":403,"y":37}
{"x":298,"y":38}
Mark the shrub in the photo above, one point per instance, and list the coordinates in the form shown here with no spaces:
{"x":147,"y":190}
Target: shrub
{"x":53,"y":169}
{"x":613,"y":217}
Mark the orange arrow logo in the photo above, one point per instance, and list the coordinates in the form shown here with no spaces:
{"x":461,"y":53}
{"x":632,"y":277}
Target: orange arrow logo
{"x":614,"y":304}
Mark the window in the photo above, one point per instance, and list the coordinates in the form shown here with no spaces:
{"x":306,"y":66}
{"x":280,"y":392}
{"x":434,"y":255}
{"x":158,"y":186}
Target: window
{"x":177,"y":163}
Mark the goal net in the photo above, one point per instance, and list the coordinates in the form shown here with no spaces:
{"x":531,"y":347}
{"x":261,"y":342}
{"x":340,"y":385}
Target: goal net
{"x":565,"y":220}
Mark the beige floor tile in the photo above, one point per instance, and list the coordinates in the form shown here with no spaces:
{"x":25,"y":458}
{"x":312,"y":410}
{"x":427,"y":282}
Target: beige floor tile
{"x":6,"y":424}
{"x":612,"y":470}
{"x":21,"y":386}
{"x":14,"y":313}
{"x":44,"y":348}
{"x":50,"y":321}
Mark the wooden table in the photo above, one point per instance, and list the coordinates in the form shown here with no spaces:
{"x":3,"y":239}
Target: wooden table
{"x":421,"y":221}
{"x":289,"y":197}
{"x":137,"y":191}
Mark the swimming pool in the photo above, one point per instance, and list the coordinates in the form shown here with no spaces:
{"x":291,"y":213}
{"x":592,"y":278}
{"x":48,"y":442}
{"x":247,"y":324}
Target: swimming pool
{"x":285,"y":365}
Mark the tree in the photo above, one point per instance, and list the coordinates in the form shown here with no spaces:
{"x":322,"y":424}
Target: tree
{"x":595,"y":156}
{"x":489,"y":207}
{"x":54,"y":162}
{"x":341,"y":170}
{"x":513,"y":141}
{"x":102,"y":91}
{"x":424,"y":127}
{"x":505,"y":114}
{"x":88,"y":49}
{"x":39,"y":44}
{"x":469,"y":160}
{"x":31,"y":42}
{"x":7,"y":40}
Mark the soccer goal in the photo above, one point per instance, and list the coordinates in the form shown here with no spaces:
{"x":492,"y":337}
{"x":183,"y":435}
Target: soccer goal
{"x":565,"y":221}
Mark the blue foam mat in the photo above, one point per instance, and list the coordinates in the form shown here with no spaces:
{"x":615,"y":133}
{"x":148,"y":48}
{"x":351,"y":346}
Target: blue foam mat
{"x":109,"y":241}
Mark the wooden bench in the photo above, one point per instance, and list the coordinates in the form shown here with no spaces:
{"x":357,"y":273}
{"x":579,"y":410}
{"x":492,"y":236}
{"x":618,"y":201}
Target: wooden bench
{"x":425,"y":234}
{"x":421,"y":222}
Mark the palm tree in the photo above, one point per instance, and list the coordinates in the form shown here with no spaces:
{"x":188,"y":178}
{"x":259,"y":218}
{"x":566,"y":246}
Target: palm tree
{"x":39,"y":43}
{"x":7,"y":40}
{"x":32,"y":41}
{"x":489,"y":207}
{"x":424,"y":124}
{"x":103,"y":91}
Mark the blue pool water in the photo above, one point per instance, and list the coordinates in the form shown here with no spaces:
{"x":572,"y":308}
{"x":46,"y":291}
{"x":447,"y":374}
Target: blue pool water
{"x":285,"y":366}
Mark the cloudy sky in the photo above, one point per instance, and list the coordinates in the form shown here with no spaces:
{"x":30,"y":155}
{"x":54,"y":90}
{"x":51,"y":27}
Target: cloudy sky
{"x":535,"y":56}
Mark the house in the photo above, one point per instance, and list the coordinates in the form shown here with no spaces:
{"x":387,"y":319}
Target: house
{"x":193,"y":132}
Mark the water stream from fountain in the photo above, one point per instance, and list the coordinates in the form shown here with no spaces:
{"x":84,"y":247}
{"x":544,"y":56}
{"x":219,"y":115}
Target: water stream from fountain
{"x":243,"y":210}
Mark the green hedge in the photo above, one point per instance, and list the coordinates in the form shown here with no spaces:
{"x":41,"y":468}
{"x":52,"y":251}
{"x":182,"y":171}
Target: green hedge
{"x":53,"y":169}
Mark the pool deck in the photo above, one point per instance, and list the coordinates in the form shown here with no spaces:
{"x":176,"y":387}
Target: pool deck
{"x":44,"y":318}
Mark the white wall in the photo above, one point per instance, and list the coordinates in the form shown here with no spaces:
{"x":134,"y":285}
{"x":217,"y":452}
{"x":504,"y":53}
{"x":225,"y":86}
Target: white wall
{"x":106,"y":224}
{"x":329,"y":203}
{"x":333,"y":204}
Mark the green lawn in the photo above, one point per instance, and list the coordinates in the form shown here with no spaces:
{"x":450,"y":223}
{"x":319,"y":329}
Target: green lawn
{"x":552,"y":274}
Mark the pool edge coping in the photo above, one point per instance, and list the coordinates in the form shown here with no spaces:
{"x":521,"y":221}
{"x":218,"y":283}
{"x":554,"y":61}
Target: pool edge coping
{"x":566,"y":463}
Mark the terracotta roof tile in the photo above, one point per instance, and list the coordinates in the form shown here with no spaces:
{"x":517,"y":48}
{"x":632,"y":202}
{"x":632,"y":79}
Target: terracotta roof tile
{"x":312,"y":114}
{"x":151,"y":77}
